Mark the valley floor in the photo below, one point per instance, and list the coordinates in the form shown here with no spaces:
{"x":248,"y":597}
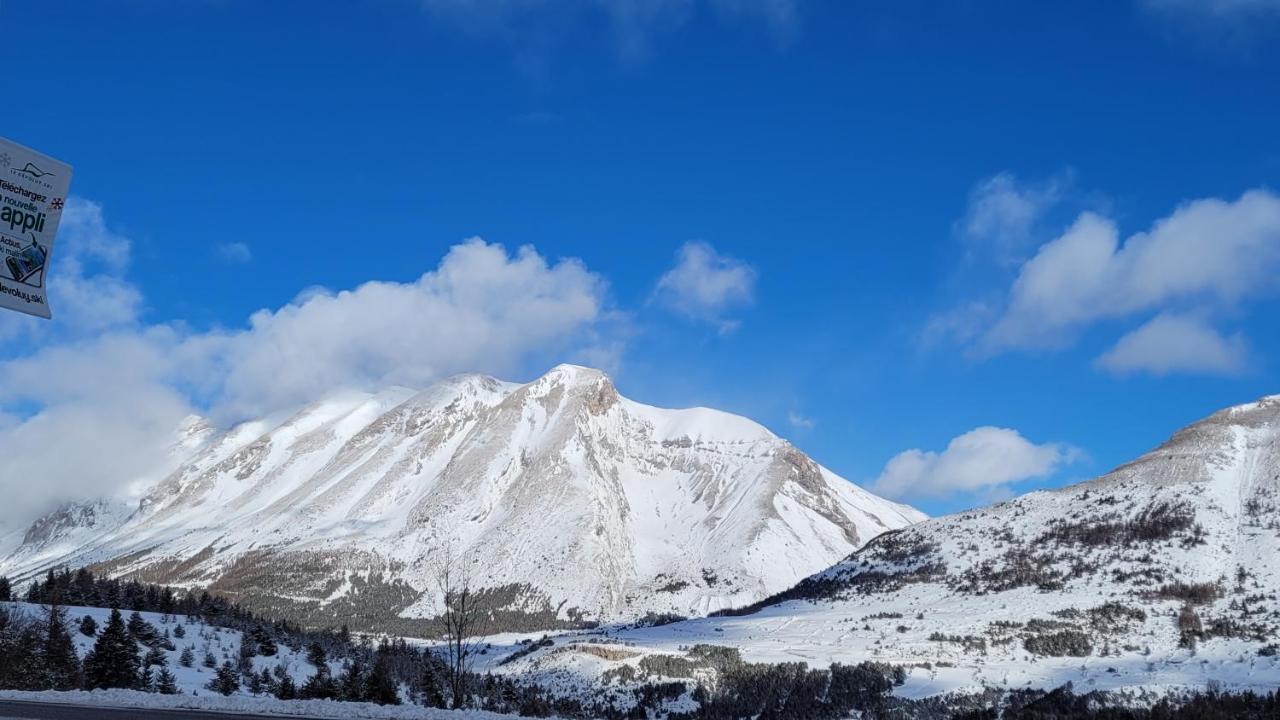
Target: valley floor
{"x":818,"y":636}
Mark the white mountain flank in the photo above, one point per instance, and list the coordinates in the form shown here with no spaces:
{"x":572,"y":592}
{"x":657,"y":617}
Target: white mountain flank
{"x":576,"y":504}
{"x":1161,"y":574}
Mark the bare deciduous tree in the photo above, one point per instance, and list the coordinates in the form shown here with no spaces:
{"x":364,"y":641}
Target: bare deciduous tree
{"x":465,"y":616}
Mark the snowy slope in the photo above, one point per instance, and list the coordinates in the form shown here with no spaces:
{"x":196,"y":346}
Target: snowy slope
{"x":224,"y":644}
{"x":576,"y":504}
{"x":1085,"y":584}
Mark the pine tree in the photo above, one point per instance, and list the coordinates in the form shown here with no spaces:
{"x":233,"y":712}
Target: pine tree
{"x":165,"y":683}
{"x":209,"y":660}
{"x":316,"y":655}
{"x":320,"y":686}
{"x":113,"y":663}
{"x":248,"y":648}
{"x":6,"y":590}
{"x":351,"y":682}
{"x":226,"y":681}
{"x":187,"y":658}
{"x":88,"y":626}
{"x":254,"y":684}
{"x":156,"y":656}
{"x":266,"y":644}
{"x":146,"y":681}
{"x":28,"y":671}
{"x":178,"y":631}
{"x":61,"y":665}
{"x":379,"y":686}
{"x":286,"y":690}
{"x":141,"y":630}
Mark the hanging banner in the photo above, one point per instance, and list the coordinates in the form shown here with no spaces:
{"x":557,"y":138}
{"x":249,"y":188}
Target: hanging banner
{"x":33,"y":191}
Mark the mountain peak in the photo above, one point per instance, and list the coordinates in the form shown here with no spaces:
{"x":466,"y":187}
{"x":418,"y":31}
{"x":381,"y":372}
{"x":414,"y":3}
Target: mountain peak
{"x":576,"y":374}
{"x":582,"y":503}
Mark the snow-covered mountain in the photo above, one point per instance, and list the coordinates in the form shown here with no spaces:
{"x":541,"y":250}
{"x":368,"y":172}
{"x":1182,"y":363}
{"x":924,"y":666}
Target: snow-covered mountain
{"x":1162,"y":573}
{"x":568,"y":501}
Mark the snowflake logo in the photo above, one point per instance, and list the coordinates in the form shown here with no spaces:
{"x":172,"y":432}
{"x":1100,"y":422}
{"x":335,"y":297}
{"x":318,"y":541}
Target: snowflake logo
{"x":5,"y":159}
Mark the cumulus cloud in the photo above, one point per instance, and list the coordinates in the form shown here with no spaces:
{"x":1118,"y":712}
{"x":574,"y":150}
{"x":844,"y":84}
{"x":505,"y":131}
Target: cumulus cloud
{"x":108,"y":411}
{"x":1208,"y":259}
{"x":703,"y":285}
{"x":483,"y":309}
{"x":1209,"y":252}
{"x":1003,"y":212}
{"x":88,"y":413}
{"x":1172,"y":343}
{"x":984,"y":460}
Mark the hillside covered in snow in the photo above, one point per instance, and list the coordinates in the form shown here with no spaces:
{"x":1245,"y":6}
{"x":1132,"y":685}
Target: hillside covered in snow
{"x":181,"y":656}
{"x":1162,"y":574}
{"x":574,"y":503}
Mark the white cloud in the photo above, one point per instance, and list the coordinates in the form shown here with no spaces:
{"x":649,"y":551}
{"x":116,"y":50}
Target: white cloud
{"x":984,"y":460}
{"x":482,"y":309}
{"x":108,"y":412}
{"x":234,"y":252}
{"x":704,"y":284}
{"x":1003,"y":212}
{"x":1208,"y":259}
{"x":1172,"y":343}
{"x":799,"y":421}
{"x":1208,"y":253}
{"x":90,"y":412}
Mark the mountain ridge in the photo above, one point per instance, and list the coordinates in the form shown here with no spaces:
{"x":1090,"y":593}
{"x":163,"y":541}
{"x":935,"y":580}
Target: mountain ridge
{"x":1159,"y":574}
{"x":580,"y":504}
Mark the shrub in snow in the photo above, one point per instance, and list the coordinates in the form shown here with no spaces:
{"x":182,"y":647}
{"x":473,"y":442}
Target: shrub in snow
{"x":1066,"y":643}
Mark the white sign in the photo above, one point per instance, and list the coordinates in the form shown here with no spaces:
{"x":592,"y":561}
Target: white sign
{"x":33,"y":191}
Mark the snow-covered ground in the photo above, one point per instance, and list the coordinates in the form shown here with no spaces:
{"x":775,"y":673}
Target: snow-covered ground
{"x":955,"y":601}
{"x":224,"y":644}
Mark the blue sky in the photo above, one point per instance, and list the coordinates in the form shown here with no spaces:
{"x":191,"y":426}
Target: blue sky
{"x":874,"y":227}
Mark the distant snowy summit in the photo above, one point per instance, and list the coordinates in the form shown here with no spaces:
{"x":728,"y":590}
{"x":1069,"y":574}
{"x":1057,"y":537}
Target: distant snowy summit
{"x":572,"y":503}
{"x":1160,"y":575}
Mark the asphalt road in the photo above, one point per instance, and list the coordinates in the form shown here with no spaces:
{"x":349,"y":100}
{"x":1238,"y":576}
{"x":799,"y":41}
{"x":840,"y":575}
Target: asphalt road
{"x":18,"y":709}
